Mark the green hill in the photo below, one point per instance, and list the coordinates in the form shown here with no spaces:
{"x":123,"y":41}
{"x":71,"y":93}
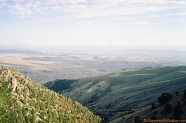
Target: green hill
{"x":116,"y":95}
{"x":24,"y":101}
{"x":173,"y":109}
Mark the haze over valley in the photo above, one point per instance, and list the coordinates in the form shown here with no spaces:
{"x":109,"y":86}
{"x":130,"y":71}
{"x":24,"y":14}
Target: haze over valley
{"x":47,"y":65}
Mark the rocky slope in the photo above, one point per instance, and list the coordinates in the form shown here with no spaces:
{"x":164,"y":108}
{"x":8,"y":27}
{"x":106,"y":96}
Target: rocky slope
{"x":24,"y":101}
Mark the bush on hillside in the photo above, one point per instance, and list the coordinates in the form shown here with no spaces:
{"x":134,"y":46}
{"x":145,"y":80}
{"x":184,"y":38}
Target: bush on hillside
{"x":164,"y":98}
{"x":168,"y":108}
{"x":184,"y":94}
{"x":153,"y":106}
{"x":138,"y":120}
{"x":178,"y":111}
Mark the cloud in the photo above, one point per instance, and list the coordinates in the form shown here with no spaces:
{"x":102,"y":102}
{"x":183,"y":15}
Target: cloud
{"x":19,"y":1}
{"x":65,"y":1}
{"x":89,"y":22}
{"x":177,"y":20}
{"x":28,"y":8}
{"x":139,"y":23}
{"x":21,"y":10}
{"x":91,"y":8}
{"x":2,"y":3}
{"x":123,"y":18}
{"x":183,"y":13}
{"x":118,"y":7}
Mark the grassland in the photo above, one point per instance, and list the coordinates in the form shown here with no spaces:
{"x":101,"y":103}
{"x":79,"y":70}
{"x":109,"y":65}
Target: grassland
{"x":116,"y":95}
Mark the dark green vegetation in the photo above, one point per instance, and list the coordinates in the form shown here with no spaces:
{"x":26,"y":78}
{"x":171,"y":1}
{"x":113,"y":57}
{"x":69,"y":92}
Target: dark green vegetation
{"x":120,"y":96}
{"x":59,"y":85}
{"x":6,"y":115}
{"x":174,"y":108}
{"x":24,"y":101}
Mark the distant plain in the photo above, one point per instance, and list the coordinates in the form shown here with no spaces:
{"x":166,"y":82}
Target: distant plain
{"x":46,"y":65}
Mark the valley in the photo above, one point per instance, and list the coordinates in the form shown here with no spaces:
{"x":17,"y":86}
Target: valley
{"x":117,"y":85}
{"x":44,"y":65}
{"x":115,"y":95}
{"x":92,"y":61}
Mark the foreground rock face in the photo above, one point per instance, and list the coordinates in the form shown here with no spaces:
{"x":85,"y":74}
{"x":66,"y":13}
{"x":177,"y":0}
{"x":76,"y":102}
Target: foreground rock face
{"x":24,"y":101}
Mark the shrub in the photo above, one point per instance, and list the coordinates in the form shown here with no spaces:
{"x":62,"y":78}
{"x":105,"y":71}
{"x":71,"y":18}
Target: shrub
{"x":168,"y":108}
{"x":184,"y":94}
{"x":154,"y":117}
{"x":137,"y":120}
{"x":178,"y":111}
{"x":153,"y":106}
{"x":164,"y":98}
{"x":177,"y":93}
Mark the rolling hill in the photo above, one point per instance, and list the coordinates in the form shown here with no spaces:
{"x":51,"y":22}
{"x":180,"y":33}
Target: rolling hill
{"x":119,"y":94}
{"x":24,"y":101}
{"x":172,"y":109}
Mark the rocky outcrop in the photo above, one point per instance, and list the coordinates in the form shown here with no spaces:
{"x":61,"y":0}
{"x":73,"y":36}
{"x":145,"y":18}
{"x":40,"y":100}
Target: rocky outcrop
{"x":14,"y":84}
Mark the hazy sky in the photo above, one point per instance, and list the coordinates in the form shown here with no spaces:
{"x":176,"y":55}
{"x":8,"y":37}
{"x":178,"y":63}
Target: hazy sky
{"x":108,"y":23}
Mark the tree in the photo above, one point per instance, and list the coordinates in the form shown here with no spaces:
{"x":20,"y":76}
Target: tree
{"x":33,"y":116}
{"x":153,"y":106}
{"x":168,"y":108}
{"x":177,"y":93}
{"x":164,"y":98}
{"x":154,"y":117}
{"x":7,"y":115}
{"x":178,"y":111}
{"x":33,"y":94}
{"x":20,"y":116}
{"x":184,"y":94}
{"x":24,"y":111}
{"x":137,"y":120}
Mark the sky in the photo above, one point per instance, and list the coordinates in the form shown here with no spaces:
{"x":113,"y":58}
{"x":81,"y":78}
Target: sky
{"x":93,"y":23}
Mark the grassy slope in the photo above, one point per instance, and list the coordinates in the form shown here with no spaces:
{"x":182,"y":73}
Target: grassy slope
{"x":115,"y":94}
{"x":159,"y":112}
{"x":24,"y":101}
